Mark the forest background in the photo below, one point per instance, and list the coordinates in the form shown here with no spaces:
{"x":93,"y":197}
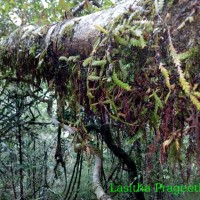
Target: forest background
{"x":95,"y":93}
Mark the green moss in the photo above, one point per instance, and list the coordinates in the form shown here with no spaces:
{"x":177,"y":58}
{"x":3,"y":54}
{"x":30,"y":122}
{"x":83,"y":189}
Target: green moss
{"x":68,"y":31}
{"x":192,"y":60}
{"x":32,"y":51}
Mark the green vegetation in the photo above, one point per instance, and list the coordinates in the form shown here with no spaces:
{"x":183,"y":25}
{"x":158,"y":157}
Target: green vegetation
{"x":130,"y":99}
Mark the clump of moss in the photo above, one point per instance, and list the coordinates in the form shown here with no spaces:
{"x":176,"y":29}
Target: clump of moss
{"x":68,"y":31}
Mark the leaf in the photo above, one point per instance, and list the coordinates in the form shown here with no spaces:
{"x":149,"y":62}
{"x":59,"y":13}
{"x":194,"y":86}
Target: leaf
{"x":89,"y":94}
{"x":87,"y":61}
{"x":157,"y":100}
{"x":184,"y":55}
{"x":136,"y":136}
{"x":95,"y":46}
{"x":184,"y":84}
{"x":172,"y":155}
{"x":174,"y":54}
{"x":166,"y":143}
{"x":165,"y":73}
{"x":142,"y":41}
{"x":138,"y":43}
{"x":167,"y":97}
{"x":99,"y":63}
{"x":63,"y":58}
{"x":195,"y":86}
{"x":120,"y":40}
{"x":40,"y":63}
{"x":32,"y":50}
{"x":112,"y":103}
{"x":195,"y":101}
{"x":143,"y":22}
{"x":177,"y":144}
{"x":74,"y":58}
{"x":101,"y":29}
{"x":93,"y":78}
{"x":135,"y":42}
{"x":197,"y":94}
{"x":120,"y":83}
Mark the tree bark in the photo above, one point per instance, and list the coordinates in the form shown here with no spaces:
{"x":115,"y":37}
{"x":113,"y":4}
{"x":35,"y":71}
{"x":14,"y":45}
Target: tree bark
{"x":98,"y":190}
{"x":25,"y":49}
{"x":70,"y":37}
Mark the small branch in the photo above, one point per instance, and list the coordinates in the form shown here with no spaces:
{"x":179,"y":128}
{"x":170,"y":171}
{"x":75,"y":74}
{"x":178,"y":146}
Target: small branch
{"x":81,"y":6}
{"x":101,"y":195}
{"x":98,"y":190}
{"x":123,"y":156}
{"x":55,"y":121}
{"x":65,"y":127}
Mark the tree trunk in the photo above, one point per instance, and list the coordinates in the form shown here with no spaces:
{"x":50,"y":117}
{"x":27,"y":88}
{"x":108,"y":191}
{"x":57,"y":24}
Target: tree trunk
{"x":43,"y":53}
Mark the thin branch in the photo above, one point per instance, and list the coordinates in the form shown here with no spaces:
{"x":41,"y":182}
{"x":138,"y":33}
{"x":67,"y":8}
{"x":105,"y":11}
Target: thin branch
{"x":81,"y":6}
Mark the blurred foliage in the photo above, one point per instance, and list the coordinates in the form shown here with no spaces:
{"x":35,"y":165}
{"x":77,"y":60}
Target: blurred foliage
{"x":14,"y":13}
{"x":148,"y":94}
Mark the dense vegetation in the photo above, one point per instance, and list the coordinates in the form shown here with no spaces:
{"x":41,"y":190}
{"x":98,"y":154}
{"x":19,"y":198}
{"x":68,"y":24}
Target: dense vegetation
{"x":126,"y":103}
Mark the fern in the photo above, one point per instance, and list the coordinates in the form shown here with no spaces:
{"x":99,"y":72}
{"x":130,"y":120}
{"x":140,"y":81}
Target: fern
{"x":174,"y":54}
{"x":120,"y":83}
{"x":101,"y":29}
{"x":184,"y":55}
{"x":142,"y":41}
{"x":157,"y":100}
{"x":120,"y":40}
{"x":184,"y":84}
{"x":136,"y":32}
{"x":167,"y":97}
{"x":195,"y":87}
{"x":138,"y":43}
{"x":195,"y":101}
{"x":165,"y":73}
{"x":197,"y":94}
{"x":99,"y":63}
{"x":87,"y":61}
{"x":176,"y":59}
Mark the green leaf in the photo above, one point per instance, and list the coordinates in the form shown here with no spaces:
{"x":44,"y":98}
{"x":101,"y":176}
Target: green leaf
{"x":74,"y":58}
{"x":63,"y":58}
{"x":93,"y":78}
{"x":101,"y":29}
{"x":7,"y":7}
{"x":157,"y":100}
{"x":99,"y":63}
{"x":138,"y":43}
{"x":87,"y":61}
{"x":120,"y":83}
{"x":120,"y":40}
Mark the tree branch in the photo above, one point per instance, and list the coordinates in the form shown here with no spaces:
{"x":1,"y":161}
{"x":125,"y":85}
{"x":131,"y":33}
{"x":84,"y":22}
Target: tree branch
{"x":81,"y":6}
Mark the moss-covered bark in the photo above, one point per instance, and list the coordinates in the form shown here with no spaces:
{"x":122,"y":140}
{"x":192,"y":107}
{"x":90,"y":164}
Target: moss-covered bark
{"x":131,"y":63}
